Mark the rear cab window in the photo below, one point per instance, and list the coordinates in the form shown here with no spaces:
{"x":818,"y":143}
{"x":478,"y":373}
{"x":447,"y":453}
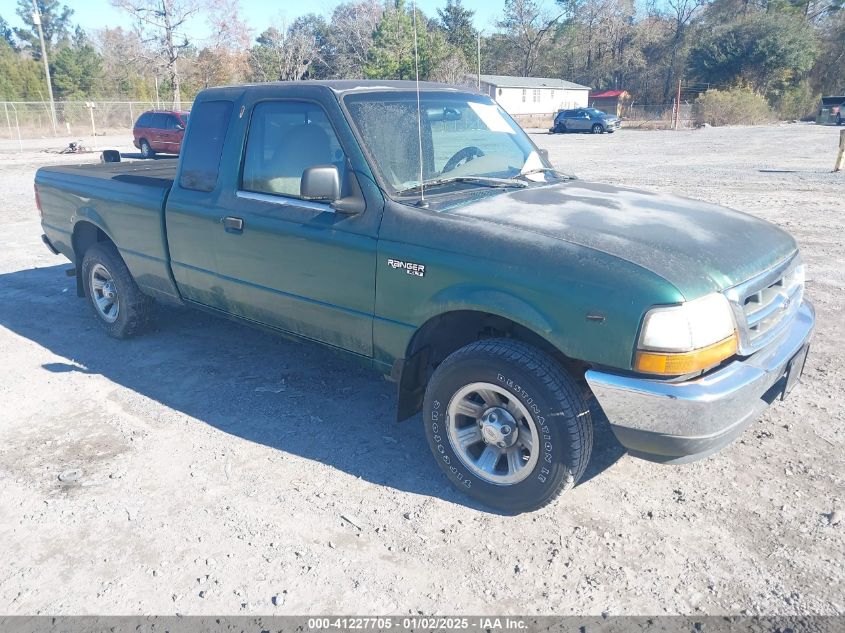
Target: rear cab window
{"x":203,"y":145}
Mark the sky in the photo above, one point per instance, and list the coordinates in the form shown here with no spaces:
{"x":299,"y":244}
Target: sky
{"x":259,"y":14}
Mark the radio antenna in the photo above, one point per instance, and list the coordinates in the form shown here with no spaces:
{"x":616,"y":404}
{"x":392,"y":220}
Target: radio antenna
{"x":422,"y":201}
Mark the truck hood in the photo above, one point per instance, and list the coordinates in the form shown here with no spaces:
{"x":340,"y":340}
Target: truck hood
{"x":696,"y":246}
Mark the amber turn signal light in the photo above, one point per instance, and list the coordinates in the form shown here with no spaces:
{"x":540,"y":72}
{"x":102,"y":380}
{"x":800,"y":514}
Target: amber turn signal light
{"x":677,"y":364}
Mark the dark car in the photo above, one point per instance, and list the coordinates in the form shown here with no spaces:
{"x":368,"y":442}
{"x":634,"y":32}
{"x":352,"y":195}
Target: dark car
{"x":159,"y":132}
{"x":585,"y":120}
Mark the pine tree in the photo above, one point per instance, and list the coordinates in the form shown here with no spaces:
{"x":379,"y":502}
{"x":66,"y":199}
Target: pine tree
{"x":456,"y":21}
{"x":55,"y":23}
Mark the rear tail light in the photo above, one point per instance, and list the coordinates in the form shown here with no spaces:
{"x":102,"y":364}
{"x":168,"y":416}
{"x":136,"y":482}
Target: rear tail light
{"x":38,"y":202}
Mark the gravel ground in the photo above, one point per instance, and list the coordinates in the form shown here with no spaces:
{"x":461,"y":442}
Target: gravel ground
{"x":213,"y":468}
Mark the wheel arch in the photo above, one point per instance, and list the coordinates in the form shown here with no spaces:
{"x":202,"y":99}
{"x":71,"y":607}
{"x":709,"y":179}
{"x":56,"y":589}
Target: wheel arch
{"x":85,"y":234}
{"x":449,"y":331}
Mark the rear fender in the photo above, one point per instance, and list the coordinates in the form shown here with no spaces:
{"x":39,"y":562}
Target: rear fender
{"x":82,"y":239}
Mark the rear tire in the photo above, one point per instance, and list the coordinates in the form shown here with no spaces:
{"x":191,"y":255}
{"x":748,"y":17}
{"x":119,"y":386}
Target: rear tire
{"x":507,"y":425}
{"x":146,"y":149}
{"x":597,"y":128}
{"x":119,"y":306}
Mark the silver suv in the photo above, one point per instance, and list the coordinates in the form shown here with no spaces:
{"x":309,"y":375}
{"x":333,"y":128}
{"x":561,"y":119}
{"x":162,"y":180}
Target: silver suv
{"x":585,"y":120}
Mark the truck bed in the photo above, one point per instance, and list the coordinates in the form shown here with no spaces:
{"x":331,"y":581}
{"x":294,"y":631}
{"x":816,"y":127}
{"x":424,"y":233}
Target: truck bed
{"x":157,"y":174}
{"x":125,"y":200}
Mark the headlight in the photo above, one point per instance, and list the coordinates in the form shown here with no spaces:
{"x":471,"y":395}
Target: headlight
{"x":687,"y":338}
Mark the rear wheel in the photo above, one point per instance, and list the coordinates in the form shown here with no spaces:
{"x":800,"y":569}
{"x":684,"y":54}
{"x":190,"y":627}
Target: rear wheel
{"x":146,"y":150}
{"x":118,"y":304}
{"x":597,"y":128}
{"x":507,"y":425}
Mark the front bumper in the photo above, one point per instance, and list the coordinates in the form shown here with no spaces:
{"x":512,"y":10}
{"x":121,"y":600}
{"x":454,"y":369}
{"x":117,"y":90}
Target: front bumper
{"x":684,"y":421}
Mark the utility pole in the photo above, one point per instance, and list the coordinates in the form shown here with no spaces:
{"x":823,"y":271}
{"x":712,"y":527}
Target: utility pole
{"x":678,"y":107}
{"x":36,"y":18}
{"x":478,"y":81}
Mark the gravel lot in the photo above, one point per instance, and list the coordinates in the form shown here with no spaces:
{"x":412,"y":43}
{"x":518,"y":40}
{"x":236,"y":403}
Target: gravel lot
{"x":223,"y":470}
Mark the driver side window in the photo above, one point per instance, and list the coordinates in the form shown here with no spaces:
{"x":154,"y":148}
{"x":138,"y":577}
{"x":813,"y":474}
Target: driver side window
{"x":285,"y":138}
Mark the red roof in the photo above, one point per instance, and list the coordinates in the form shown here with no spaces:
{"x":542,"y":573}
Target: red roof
{"x":608,"y":93}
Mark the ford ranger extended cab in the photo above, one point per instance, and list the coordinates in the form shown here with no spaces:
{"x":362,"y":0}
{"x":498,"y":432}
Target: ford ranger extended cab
{"x":423,"y":233}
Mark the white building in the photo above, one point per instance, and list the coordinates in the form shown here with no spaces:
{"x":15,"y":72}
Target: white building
{"x":534,"y":95}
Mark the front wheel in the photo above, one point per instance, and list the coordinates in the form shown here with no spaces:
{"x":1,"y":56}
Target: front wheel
{"x":597,"y":128}
{"x":507,"y":425}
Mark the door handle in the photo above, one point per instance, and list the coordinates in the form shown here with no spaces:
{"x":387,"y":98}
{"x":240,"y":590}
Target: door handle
{"x":232,"y":225}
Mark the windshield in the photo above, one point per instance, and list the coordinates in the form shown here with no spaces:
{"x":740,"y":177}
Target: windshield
{"x":595,"y":112}
{"x":465,"y":138}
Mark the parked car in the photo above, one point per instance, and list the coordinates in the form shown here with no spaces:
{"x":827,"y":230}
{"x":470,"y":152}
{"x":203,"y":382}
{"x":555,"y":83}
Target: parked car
{"x":585,"y":120}
{"x":499,"y":293}
{"x":160,"y":132}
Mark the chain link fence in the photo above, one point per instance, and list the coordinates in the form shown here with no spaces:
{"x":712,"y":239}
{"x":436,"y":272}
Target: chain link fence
{"x":31,"y":119}
{"x":660,"y":117}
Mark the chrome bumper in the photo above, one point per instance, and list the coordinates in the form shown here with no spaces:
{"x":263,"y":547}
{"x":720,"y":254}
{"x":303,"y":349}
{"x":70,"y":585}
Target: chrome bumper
{"x":685,"y":421}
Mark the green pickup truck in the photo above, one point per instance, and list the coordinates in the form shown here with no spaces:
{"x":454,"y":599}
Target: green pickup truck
{"x":423,"y":233}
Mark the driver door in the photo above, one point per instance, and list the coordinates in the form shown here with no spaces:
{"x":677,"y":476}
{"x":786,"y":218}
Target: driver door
{"x":287,"y":262}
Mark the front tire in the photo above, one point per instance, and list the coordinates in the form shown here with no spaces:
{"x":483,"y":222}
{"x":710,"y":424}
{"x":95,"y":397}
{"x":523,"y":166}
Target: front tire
{"x":119,"y":306}
{"x":507,"y":425}
{"x":597,"y":128}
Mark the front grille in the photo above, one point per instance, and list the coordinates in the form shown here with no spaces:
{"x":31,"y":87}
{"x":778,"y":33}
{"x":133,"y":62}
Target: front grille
{"x":764,"y":305}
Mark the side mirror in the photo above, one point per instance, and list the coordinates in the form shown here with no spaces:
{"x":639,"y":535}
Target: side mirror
{"x":110,"y":156}
{"x":321,"y":182}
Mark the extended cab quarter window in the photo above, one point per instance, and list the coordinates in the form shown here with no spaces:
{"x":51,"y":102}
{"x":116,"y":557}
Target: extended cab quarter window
{"x":204,"y":145}
{"x":286,"y":138}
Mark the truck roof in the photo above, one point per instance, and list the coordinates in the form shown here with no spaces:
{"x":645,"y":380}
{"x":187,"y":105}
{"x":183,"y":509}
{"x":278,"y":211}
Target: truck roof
{"x":348,"y":85}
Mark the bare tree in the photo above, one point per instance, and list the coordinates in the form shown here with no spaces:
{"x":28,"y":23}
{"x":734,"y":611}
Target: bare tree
{"x":351,"y":36}
{"x":228,"y":30}
{"x":225,"y":57}
{"x":454,"y":69}
{"x":284,"y":53}
{"x":528,"y":27}
{"x":682,"y":13}
{"x":160,"y":24}
{"x":124,"y":59}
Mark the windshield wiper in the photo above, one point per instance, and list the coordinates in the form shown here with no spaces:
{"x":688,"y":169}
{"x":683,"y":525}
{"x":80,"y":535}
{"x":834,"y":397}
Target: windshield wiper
{"x":540,"y":170}
{"x":477,"y":180}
